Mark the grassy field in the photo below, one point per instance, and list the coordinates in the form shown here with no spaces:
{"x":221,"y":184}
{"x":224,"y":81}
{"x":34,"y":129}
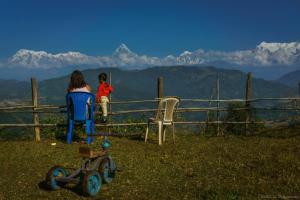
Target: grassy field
{"x":194,"y":168}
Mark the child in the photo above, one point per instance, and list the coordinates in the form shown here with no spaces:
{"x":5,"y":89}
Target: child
{"x":104,"y":89}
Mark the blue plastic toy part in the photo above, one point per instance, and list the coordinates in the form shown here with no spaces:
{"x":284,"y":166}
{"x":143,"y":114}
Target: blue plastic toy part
{"x":55,"y":172}
{"x":91,"y":183}
{"x":107,"y":169}
{"x":80,"y":108}
{"x":105,"y":144}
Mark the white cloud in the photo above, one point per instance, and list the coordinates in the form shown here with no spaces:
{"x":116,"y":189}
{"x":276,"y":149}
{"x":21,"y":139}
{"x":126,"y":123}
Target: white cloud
{"x":265,"y":54}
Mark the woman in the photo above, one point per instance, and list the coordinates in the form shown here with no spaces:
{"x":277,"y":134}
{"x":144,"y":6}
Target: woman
{"x":77,"y":83}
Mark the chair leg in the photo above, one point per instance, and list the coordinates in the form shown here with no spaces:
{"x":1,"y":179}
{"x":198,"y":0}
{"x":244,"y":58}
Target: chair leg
{"x":147,"y":131}
{"x":88,"y":131}
{"x":173,"y":130}
{"x":164,"y":130}
{"x":70,"y":131}
{"x":93,"y":130}
{"x":159,"y":132}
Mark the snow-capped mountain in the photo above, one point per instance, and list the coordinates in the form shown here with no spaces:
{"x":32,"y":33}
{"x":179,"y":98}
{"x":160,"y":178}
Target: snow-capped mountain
{"x":123,"y":49}
{"x":42,"y":59}
{"x":278,"y":53}
{"x":264,"y":56}
{"x":124,"y":57}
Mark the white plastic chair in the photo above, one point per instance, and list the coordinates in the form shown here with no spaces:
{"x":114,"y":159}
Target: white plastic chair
{"x":164,"y":117}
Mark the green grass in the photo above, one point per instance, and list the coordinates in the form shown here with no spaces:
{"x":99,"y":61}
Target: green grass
{"x":194,"y":168}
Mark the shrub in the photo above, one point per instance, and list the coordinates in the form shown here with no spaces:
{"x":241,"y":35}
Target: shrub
{"x":236,"y":115}
{"x":58,"y":132}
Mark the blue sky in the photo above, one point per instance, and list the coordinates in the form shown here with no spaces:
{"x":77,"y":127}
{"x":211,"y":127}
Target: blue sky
{"x":152,"y":27}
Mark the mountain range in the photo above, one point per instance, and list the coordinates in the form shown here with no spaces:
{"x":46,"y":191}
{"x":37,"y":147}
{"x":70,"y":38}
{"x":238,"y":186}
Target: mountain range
{"x":267,"y":60}
{"x":186,"y":82}
{"x":291,"y":79}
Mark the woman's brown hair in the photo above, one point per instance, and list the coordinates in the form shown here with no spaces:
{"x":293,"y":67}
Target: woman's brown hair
{"x":76,"y":80}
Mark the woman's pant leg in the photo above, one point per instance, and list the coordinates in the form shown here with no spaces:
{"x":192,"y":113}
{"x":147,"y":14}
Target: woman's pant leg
{"x":103,"y":104}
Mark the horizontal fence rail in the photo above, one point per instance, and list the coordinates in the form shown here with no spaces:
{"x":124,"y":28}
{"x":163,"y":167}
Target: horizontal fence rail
{"x":44,"y":109}
{"x":35,"y":109}
{"x":137,"y":123}
{"x":61,"y":109}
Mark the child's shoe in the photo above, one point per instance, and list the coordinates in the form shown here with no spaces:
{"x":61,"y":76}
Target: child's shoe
{"x":104,"y":120}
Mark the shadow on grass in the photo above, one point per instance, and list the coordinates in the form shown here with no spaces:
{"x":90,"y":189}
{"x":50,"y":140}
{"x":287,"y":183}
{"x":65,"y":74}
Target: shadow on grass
{"x":136,"y":137}
{"x":281,"y":132}
{"x":75,"y":189}
{"x":43,"y":186}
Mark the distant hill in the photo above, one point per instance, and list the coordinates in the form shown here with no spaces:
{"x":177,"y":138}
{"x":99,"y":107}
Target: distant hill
{"x":186,"y":82}
{"x":291,"y":79}
{"x":14,"y":91}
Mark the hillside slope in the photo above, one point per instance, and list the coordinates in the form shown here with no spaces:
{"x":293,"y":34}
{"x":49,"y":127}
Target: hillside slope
{"x":13,"y":91}
{"x":186,"y":82}
{"x":290,"y":79}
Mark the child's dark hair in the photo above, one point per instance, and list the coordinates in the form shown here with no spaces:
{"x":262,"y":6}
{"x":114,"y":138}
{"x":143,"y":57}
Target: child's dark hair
{"x":102,"y":77}
{"x":76,"y":80}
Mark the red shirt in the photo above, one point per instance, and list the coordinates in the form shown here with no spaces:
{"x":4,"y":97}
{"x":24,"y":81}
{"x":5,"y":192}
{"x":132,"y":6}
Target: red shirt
{"x":104,"y":89}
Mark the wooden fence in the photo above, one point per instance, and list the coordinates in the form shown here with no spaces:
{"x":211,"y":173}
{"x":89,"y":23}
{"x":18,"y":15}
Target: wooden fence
{"x":35,"y":109}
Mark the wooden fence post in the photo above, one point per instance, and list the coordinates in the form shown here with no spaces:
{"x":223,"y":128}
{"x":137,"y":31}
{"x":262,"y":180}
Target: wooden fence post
{"x":110,"y":108}
{"x":160,"y":94}
{"x":160,"y":87}
{"x":207,"y":112}
{"x":297,"y":101}
{"x":218,"y":106}
{"x":299,"y":88}
{"x":36,"y":120}
{"x":248,"y":98}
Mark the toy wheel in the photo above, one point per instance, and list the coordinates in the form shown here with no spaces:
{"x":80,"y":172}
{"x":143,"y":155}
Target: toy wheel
{"x":106,"y":171}
{"x":55,"y":172}
{"x":91,"y":183}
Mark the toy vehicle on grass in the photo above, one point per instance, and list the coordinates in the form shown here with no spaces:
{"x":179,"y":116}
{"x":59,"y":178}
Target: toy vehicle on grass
{"x":96,"y":168}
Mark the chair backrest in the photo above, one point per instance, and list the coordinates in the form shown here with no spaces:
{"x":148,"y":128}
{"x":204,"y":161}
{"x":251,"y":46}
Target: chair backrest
{"x":166,"y":108}
{"x":80,"y":106}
